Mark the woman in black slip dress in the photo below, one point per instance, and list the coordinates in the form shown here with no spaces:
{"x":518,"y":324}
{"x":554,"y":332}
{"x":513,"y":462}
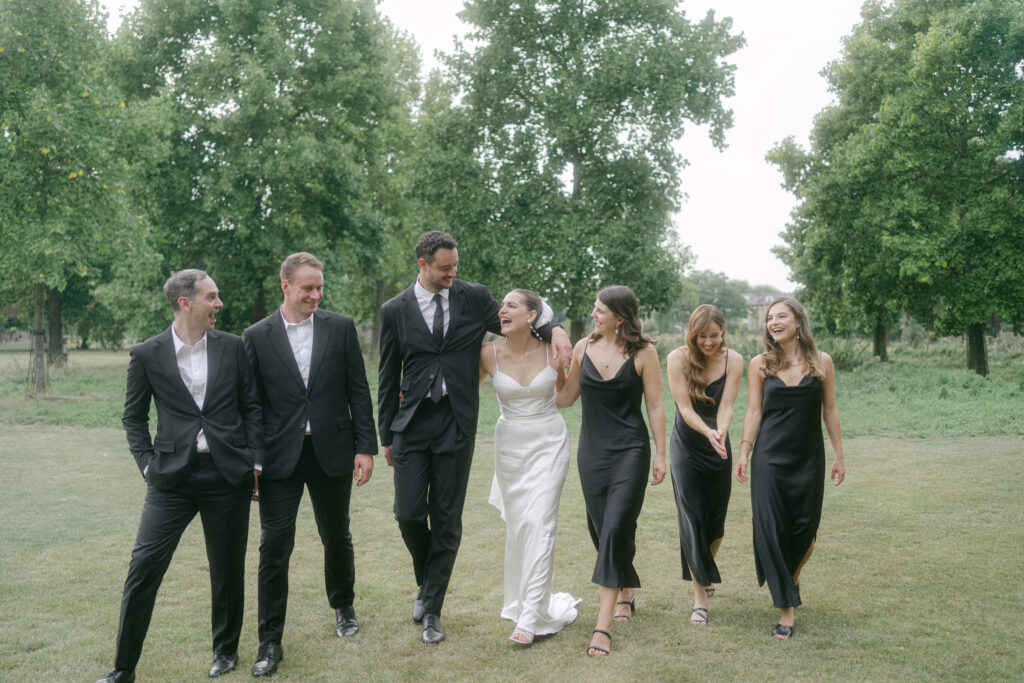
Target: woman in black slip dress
{"x":704,"y":378}
{"x":613,"y":369}
{"x":791,"y":390}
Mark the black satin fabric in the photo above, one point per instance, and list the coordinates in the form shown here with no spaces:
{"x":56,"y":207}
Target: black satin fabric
{"x":787,"y":484}
{"x":614,"y":456}
{"x":702,"y":482}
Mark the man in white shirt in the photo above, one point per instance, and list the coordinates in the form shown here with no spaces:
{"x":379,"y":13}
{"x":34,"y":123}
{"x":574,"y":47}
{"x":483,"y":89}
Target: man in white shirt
{"x":203,"y":459}
{"x":319,"y":435}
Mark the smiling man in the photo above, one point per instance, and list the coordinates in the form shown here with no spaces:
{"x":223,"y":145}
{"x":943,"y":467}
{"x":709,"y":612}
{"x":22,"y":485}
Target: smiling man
{"x":209,"y":439}
{"x":319,"y":435}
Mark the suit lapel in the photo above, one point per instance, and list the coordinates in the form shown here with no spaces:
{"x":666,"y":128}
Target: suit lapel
{"x":283,"y":348}
{"x":166,"y":357}
{"x":456,"y":304}
{"x":412,"y":311}
{"x":214,"y":360}
{"x":321,"y":340}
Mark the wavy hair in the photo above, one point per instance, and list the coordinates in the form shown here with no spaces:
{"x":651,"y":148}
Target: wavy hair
{"x":775,"y":358}
{"x":695,"y":362}
{"x":622,"y":302}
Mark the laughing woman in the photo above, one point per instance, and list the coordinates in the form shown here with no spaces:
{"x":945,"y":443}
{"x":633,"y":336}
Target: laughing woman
{"x":704,"y":377}
{"x":531,"y":459}
{"x":791,"y":390}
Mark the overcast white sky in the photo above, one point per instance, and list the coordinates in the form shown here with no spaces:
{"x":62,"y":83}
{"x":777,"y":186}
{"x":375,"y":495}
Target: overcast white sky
{"x":735,"y":208}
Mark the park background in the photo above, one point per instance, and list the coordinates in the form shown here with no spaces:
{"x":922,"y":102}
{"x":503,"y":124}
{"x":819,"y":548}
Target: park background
{"x":227,"y":134}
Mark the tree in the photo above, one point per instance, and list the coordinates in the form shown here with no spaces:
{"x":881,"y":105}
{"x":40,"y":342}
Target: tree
{"x":574,"y":108}
{"x":61,"y":194}
{"x":926,"y":145}
{"x":278,"y":134}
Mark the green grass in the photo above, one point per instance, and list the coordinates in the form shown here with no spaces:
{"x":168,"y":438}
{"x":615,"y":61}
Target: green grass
{"x":916,"y":575}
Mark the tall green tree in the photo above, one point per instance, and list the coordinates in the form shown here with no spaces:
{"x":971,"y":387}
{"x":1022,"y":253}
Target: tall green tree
{"x":923,"y":151}
{"x":278,"y":134}
{"x":63,"y":211}
{"x":574,"y":107}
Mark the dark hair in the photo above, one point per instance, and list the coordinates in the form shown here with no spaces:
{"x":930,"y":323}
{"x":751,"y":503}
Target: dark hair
{"x":296,"y":261}
{"x":694,"y":363}
{"x":533,"y":303}
{"x":622,"y":302}
{"x":430,"y":242}
{"x":183,"y":284}
{"x":774,"y":357}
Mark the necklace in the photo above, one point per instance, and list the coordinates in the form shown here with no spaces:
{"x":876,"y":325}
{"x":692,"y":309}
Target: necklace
{"x":795,"y":363}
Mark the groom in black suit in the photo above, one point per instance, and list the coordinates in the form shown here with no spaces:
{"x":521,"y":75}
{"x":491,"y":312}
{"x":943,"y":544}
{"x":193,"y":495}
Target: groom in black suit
{"x":319,"y":435}
{"x":209,"y":439}
{"x":427,"y":408}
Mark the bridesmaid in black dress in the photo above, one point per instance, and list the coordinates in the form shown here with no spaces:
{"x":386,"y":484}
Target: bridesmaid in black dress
{"x":704,"y":377}
{"x":792,"y":389}
{"x":613,"y":369}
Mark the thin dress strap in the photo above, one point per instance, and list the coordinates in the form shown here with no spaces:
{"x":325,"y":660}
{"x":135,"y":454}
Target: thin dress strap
{"x":495,"y":352}
{"x":727,"y":360}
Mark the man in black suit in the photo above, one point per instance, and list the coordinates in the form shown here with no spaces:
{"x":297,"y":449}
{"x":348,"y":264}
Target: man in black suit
{"x":319,"y":434}
{"x":428,"y":403}
{"x":209,"y":439}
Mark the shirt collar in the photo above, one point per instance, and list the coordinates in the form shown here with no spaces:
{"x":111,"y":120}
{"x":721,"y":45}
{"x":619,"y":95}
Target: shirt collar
{"x":287,"y":324}
{"x":424,"y":294}
{"x":179,"y":344}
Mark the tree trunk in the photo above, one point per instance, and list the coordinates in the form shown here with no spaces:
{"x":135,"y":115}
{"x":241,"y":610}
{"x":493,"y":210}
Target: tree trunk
{"x":39,"y":344}
{"x":375,"y":341}
{"x":259,"y":305}
{"x":56,"y":354}
{"x":576,"y":331}
{"x":881,"y":337}
{"x":977,"y":358}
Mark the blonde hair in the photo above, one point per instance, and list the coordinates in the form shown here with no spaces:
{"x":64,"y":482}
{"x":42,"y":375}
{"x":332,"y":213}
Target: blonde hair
{"x":695,"y":362}
{"x":775,"y":358}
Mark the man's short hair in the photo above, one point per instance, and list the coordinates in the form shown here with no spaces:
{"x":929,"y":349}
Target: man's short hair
{"x":431,"y":241}
{"x":296,"y":261}
{"x":183,"y":283}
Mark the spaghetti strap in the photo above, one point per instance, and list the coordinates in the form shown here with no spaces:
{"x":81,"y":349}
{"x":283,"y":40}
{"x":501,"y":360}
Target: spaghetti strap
{"x":726,"y":360}
{"x":547,"y":353}
{"x":495,"y":352}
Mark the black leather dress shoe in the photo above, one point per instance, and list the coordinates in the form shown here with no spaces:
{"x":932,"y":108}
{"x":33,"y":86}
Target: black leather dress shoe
{"x":417,"y":607}
{"x":118,"y":676}
{"x":267,"y":659}
{"x":347,"y":624}
{"x":432,"y":630}
{"x":222,"y":664}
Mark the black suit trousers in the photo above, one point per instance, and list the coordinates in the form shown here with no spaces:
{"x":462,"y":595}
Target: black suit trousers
{"x":224,"y":511}
{"x":431,"y":466}
{"x":279,"y":508}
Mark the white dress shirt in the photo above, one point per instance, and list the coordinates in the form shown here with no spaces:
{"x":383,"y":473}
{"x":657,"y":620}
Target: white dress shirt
{"x":300,"y":337}
{"x":192,"y":364}
{"x":425,"y":299}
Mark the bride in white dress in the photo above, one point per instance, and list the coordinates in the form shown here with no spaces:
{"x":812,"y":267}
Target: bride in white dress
{"x":531,"y":459}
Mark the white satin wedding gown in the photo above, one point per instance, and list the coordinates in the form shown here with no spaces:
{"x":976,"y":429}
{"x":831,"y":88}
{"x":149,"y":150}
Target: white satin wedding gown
{"x":531,"y":459}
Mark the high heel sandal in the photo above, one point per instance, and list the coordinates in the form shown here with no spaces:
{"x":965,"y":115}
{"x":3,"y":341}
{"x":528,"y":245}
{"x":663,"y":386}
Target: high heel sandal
{"x":632,"y":609}
{"x":781,"y":632}
{"x":598,"y":648}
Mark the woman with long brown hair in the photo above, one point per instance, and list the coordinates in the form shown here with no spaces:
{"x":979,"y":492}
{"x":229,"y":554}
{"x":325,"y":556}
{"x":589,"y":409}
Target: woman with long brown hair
{"x":704,"y":378}
{"x":791,"y":390}
{"x":613,"y":369}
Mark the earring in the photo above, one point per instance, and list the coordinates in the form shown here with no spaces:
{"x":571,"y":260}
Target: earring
{"x":617,"y":330}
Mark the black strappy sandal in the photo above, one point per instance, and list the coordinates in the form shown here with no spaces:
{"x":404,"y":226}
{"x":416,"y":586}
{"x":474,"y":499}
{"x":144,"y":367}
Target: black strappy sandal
{"x":699,"y":616}
{"x":781,"y":632}
{"x":598,"y":648}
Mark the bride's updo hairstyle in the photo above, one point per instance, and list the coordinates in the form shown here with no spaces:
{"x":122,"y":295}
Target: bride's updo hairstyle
{"x":537,"y":305}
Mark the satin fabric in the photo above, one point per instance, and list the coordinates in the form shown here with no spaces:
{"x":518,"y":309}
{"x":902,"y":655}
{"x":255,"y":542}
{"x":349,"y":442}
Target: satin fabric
{"x":531,"y":460}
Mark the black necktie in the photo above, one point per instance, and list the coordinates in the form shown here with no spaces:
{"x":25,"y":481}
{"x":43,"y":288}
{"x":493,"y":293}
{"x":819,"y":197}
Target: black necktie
{"x":436,"y":389}
{"x":438,"y":319}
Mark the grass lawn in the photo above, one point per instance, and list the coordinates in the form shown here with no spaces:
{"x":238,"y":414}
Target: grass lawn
{"x":916,"y":575}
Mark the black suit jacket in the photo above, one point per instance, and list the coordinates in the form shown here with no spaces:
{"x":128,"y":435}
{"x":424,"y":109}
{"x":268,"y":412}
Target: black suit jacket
{"x":230,"y":417}
{"x":336,"y":403}
{"x":410,"y":358}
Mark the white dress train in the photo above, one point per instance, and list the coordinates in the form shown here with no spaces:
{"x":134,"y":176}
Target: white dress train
{"x":531,"y":459}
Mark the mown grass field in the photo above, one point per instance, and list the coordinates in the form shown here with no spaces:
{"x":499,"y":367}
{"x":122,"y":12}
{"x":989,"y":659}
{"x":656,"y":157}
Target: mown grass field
{"x":917,"y":572}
